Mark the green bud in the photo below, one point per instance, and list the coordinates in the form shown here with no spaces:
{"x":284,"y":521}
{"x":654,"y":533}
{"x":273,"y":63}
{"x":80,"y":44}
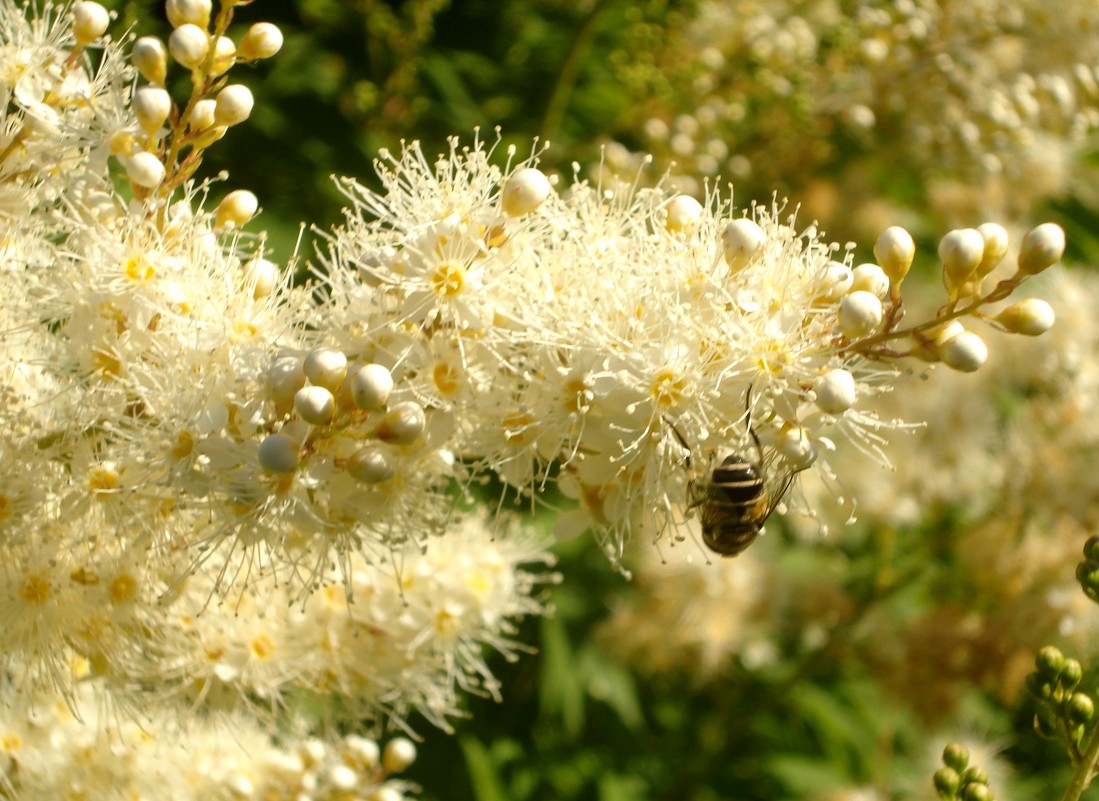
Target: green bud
{"x":956,"y":756}
{"x":1078,"y":733}
{"x":1087,"y":573}
{"x":975,"y":774}
{"x":1091,"y":548}
{"x":977,"y":792}
{"x":1050,"y":661}
{"x":1071,"y":674}
{"x":947,"y":781}
{"x":1080,"y":708}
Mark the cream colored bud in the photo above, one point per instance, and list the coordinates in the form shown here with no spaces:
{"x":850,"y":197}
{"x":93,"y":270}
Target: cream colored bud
{"x":90,"y":21}
{"x":234,"y":105}
{"x":326,"y":367}
{"x":145,"y":170}
{"x":150,"y":58}
{"x":796,"y":446}
{"x":202,"y":115}
{"x":189,"y":45}
{"x":371,"y":464}
{"x":278,"y":453}
{"x":870,"y":278}
{"x":683,"y":214}
{"x":525,"y":191}
{"x":285,"y":377}
{"x":225,"y":54}
{"x":399,"y":753}
{"x":403,"y":424}
{"x":362,"y":751}
{"x":315,"y":405}
{"x":151,"y":105}
{"x":262,"y":275}
{"x":835,"y":391}
{"x":965,"y":352}
{"x":859,"y":314}
{"x":236,"y":209}
{"x":946,"y":332}
{"x":895,"y":251}
{"x":961,"y":251}
{"x":834,"y":282}
{"x":371,"y":386}
{"x":262,"y":40}
{"x":1042,"y":247}
{"x":193,"y":12}
{"x":743,"y":242}
{"x":1029,"y":317}
{"x":996,"y":241}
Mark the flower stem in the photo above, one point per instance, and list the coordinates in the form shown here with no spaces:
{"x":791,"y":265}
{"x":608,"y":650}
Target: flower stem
{"x":1085,"y":769}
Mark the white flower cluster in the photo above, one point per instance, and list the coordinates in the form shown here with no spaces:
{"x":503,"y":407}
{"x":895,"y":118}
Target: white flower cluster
{"x":53,"y":748}
{"x":222,"y":490}
{"x":609,"y":338}
{"x":997,"y":98}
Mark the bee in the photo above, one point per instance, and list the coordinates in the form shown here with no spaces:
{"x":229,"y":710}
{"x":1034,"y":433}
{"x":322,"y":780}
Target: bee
{"x":737,"y":497}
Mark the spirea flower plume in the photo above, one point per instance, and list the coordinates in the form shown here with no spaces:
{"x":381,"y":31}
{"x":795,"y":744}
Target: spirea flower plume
{"x":608,"y":337}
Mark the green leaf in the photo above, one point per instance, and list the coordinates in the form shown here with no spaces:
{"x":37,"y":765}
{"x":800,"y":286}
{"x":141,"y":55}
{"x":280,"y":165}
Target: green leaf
{"x":560,"y":692}
{"x":483,"y":774}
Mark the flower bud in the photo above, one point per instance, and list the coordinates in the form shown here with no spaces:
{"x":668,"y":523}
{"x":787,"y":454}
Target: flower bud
{"x":965,"y":352}
{"x":262,"y":275}
{"x":315,"y":405}
{"x":956,"y":756}
{"x":995,"y":237}
{"x":285,"y":377}
{"x":145,"y":170}
{"x":835,"y":391}
{"x":202,"y":115}
{"x":234,"y":105}
{"x":975,"y":774}
{"x":262,"y":40}
{"x":796,"y":446}
{"x":961,"y":251}
{"x":834,"y":283}
{"x":860,"y":313}
{"x":947,"y":781}
{"x":894,"y":251}
{"x":189,"y":45}
{"x":1081,"y":708}
{"x":743,"y":242}
{"x":194,"y":12}
{"x":403,"y":424}
{"x":370,"y":387}
{"x":1042,"y":247}
{"x":870,"y":278}
{"x":236,"y":209}
{"x":1071,"y":674}
{"x":151,"y":59}
{"x":278,"y":453}
{"x":326,"y":367}
{"x":1029,"y":317}
{"x":151,"y":105}
{"x":1091,"y":548}
{"x":400,"y":752}
{"x":90,"y":21}
{"x":525,"y":191}
{"x":371,"y":464}
{"x":1049,"y":661}
{"x":225,"y":53}
{"x":683,"y":214}
{"x":976,"y":791}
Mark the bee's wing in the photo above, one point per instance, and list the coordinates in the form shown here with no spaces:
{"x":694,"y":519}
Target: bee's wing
{"x":778,"y":480}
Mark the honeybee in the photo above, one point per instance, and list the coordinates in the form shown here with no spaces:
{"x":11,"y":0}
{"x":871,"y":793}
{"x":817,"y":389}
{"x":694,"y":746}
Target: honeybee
{"x":737,"y":497}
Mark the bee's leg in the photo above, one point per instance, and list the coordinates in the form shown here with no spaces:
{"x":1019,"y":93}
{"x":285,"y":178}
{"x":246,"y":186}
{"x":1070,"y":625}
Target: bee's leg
{"x":683,"y":442}
{"x":748,"y":423}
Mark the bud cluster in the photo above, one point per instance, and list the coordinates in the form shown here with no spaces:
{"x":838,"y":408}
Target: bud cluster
{"x":1064,"y":713}
{"x":968,"y":256}
{"x":957,"y":780}
{"x":1087,"y":572}
{"x":166,"y":148}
